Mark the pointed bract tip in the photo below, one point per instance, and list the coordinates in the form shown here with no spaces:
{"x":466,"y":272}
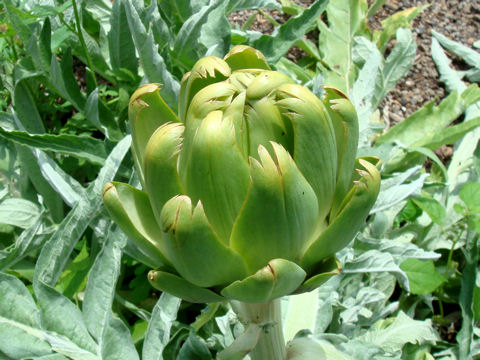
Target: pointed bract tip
{"x":334,"y":91}
{"x":144,"y":90}
{"x":107,"y":187}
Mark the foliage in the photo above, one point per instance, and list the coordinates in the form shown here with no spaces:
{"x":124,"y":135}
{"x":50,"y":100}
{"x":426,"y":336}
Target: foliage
{"x":74,"y":286}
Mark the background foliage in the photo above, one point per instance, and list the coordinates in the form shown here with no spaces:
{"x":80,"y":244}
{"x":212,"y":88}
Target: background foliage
{"x":73,"y":286}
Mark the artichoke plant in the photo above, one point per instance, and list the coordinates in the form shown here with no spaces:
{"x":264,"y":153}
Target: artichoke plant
{"x":250,"y":190}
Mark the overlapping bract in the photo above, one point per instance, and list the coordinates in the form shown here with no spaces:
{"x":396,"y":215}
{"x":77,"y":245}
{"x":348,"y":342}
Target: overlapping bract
{"x":251,"y":190}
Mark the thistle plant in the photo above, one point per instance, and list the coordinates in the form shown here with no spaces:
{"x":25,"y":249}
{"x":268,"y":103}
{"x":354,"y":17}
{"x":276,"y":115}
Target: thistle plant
{"x":248,"y":192}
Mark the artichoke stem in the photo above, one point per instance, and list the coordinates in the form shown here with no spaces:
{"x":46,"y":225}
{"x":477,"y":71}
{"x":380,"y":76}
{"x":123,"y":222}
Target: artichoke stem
{"x":271,"y":343}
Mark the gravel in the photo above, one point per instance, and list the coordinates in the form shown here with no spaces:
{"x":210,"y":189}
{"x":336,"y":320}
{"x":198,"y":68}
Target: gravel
{"x":457,"y":19}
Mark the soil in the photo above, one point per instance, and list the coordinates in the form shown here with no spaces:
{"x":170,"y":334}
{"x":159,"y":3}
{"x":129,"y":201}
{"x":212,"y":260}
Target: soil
{"x":457,"y":19}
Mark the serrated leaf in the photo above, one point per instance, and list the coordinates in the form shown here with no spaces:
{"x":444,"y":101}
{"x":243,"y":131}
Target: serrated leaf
{"x":397,"y":65}
{"x":422,"y":276}
{"x":153,"y":64}
{"x":346,"y":19}
{"x":394,"y":22}
{"x":215,"y":33}
{"x":276,"y":45}
{"x":397,"y":248}
{"x":186,"y":49}
{"x":363,"y":91}
{"x":431,"y":119}
{"x":449,"y":135}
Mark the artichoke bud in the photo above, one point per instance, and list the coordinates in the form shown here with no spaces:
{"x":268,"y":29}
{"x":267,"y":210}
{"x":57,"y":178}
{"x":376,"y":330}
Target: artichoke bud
{"x":265,"y":83}
{"x":206,"y":71}
{"x":146,"y":113}
{"x":211,"y":98}
{"x":252,"y":192}
{"x":244,"y":57}
{"x":160,"y":165}
{"x":242,"y":79}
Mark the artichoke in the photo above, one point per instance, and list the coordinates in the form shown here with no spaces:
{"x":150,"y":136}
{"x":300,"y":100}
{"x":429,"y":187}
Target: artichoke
{"x":251,"y":190}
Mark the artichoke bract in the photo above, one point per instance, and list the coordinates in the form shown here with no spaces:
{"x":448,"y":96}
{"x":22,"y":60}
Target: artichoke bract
{"x":251,"y":190}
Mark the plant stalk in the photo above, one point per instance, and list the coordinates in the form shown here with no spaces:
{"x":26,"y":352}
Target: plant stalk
{"x":82,"y":40}
{"x":268,"y":316}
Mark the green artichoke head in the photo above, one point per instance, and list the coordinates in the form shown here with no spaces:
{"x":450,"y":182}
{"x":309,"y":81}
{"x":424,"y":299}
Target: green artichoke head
{"x":251,"y":190}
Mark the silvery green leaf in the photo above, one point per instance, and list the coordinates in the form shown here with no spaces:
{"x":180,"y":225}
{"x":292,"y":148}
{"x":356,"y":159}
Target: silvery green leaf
{"x":23,"y":330}
{"x":63,"y":317}
{"x":120,"y":42}
{"x":158,"y":333}
{"x":398,"y":249}
{"x":470,"y":56}
{"x":395,"y":189}
{"x":346,"y":19}
{"x":51,"y":263}
{"x":66,"y":186}
{"x":362,"y":50}
{"x":19,"y":212}
{"x":215,"y":34}
{"x":276,"y":45}
{"x":188,"y":47}
{"x":102,"y":280}
{"x":100,"y":11}
{"x":376,"y":261}
{"x":403,"y":330}
{"x":237,"y":5}
{"x":305,"y":348}
{"x":360,"y":305}
{"x":30,"y":240}
{"x":117,"y":341}
{"x":300,"y":313}
{"x":396,"y":65}
{"x":362,"y":94}
{"x":87,"y":148}
{"x":153,"y":64}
